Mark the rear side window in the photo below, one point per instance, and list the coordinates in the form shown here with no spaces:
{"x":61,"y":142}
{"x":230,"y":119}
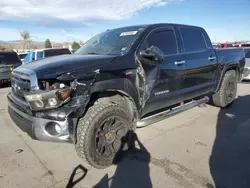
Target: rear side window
{"x":53,"y":52}
{"x":165,"y":40}
{"x":39,"y":55}
{"x":193,"y":40}
{"x":9,"y":58}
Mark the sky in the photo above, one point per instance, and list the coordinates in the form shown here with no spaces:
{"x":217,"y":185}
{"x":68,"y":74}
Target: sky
{"x":75,"y":20}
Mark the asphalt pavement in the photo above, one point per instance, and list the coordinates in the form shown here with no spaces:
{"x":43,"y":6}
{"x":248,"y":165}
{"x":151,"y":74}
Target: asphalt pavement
{"x":204,"y":147}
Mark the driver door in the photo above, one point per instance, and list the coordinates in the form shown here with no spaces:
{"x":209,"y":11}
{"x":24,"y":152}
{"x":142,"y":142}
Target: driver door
{"x":164,"y":82}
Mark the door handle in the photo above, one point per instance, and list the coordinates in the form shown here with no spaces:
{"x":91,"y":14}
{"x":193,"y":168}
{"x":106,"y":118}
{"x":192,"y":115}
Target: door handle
{"x":211,"y":58}
{"x":179,"y":62}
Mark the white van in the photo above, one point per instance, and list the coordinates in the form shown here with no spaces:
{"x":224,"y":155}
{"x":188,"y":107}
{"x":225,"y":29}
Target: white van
{"x":43,"y":53}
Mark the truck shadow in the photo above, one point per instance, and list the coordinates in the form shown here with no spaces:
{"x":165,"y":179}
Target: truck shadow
{"x":230,"y":158}
{"x":81,"y":172}
{"x":5,"y":85}
{"x":132,"y":167}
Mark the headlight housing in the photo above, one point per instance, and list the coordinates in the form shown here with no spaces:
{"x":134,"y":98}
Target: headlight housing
{"x":42,"y":100}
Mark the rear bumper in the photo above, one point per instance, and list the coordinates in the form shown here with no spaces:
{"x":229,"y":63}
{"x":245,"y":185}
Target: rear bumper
{"x":37,"y":128}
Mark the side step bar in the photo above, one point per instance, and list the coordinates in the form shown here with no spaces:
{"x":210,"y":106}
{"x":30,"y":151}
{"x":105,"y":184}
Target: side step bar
{"x":163,"y":115}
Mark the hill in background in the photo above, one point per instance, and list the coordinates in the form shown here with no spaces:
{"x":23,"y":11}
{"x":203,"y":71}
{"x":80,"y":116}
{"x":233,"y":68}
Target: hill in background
{"x":18,"y":45}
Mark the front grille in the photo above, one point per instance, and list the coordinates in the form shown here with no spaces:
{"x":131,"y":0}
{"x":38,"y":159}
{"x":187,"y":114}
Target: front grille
{"x":23,"y":81}
{"x":20,"y":86}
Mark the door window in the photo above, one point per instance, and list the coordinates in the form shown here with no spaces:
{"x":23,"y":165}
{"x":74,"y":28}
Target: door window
{"x":165,"y":40}
{"x":33,"y":56}
{"x":193,"y":40}
{"x":28,"y":58}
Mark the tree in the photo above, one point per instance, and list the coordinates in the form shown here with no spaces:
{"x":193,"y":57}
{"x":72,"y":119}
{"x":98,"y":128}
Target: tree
{"x":26,"y":36}
{"x":48,"y":44}
{"x":28,"y":42}
{"x":75,"y":45}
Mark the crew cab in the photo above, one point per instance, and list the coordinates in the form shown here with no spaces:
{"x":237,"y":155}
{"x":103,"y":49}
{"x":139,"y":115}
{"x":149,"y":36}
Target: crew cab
{"x":119,"y":80}
{"x":43,"y":53}
{"x":8,"y":61}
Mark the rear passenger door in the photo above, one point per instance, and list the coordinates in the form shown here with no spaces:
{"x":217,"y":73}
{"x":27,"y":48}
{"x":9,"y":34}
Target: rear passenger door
{"x":200,"y":62}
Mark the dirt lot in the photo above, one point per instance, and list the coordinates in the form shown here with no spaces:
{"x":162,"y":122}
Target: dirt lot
{"x":203,"y":147}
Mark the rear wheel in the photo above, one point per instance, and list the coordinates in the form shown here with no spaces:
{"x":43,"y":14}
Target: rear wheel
{"x":228,"y":90}
{"x":101,"y":133}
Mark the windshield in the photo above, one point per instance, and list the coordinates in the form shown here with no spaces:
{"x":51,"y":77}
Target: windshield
{"x":9,"y":58}
{"x":53,"y":52}
{"x":111,"y":42}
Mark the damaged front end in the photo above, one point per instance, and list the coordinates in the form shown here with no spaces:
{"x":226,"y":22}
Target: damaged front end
{"x":49,"y":109}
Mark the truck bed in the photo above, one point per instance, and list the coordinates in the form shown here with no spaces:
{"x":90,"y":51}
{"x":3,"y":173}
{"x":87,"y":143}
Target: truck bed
{"x":229,"y":55}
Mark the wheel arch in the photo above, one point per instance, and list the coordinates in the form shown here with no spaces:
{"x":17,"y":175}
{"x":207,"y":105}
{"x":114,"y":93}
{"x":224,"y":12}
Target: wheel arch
{"x":122,"y":86}
{"x":230,"y":67}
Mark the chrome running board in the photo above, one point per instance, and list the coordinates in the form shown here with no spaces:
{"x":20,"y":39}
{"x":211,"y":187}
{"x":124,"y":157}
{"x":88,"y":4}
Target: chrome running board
{"x":163,"y":115}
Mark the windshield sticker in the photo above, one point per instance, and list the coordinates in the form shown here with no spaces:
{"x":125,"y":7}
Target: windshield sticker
{"x":128,"y":33}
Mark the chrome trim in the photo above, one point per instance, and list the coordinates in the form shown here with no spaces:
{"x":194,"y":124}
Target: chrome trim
{"x":19,"y":100}
{"x":179,"y":62}
{"x":29,"y":75}
{"x":38,"y":127}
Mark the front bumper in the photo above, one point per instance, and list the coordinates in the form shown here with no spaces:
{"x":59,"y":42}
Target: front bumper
{"x":35,"y":127}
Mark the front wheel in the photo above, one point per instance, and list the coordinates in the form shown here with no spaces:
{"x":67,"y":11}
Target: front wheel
{"x":228,"y":90}
{"x":101,"y":133}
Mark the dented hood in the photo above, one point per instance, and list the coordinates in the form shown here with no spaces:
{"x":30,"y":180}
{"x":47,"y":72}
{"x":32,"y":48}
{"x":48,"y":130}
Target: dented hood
{"x":54,"y":66}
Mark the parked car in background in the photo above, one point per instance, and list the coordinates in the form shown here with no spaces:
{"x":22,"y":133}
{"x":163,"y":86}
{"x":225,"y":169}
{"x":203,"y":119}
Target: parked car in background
{"x":22,"y":55}
{"x":247,"y":65}
{"x":119,"y":80}
{"x":43,"y":53}
{"x":245,"y":45}
{"x":216,"y":46}
{"x":226,"y":45}
{"x":8,"y":61}
{"x":236,"y":45}
{"x":73,"y":51}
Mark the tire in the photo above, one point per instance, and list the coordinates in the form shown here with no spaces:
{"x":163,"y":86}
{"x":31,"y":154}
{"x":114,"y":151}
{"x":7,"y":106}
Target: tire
{"x":228,"y":90}
{"x":98,"y":142}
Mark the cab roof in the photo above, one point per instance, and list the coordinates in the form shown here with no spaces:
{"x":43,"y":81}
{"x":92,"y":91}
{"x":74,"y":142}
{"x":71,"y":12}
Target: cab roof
{"x":162,"y":25}
{"x":43,"y":49}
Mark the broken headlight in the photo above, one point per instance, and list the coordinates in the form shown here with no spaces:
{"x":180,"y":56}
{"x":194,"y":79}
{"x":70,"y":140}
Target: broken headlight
{"x":42,"y":100}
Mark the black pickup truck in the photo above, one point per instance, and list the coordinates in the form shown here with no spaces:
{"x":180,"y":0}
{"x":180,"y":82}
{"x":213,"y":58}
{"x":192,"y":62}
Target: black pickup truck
{"x":8,"y":61}
{"x":119,"y":80}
